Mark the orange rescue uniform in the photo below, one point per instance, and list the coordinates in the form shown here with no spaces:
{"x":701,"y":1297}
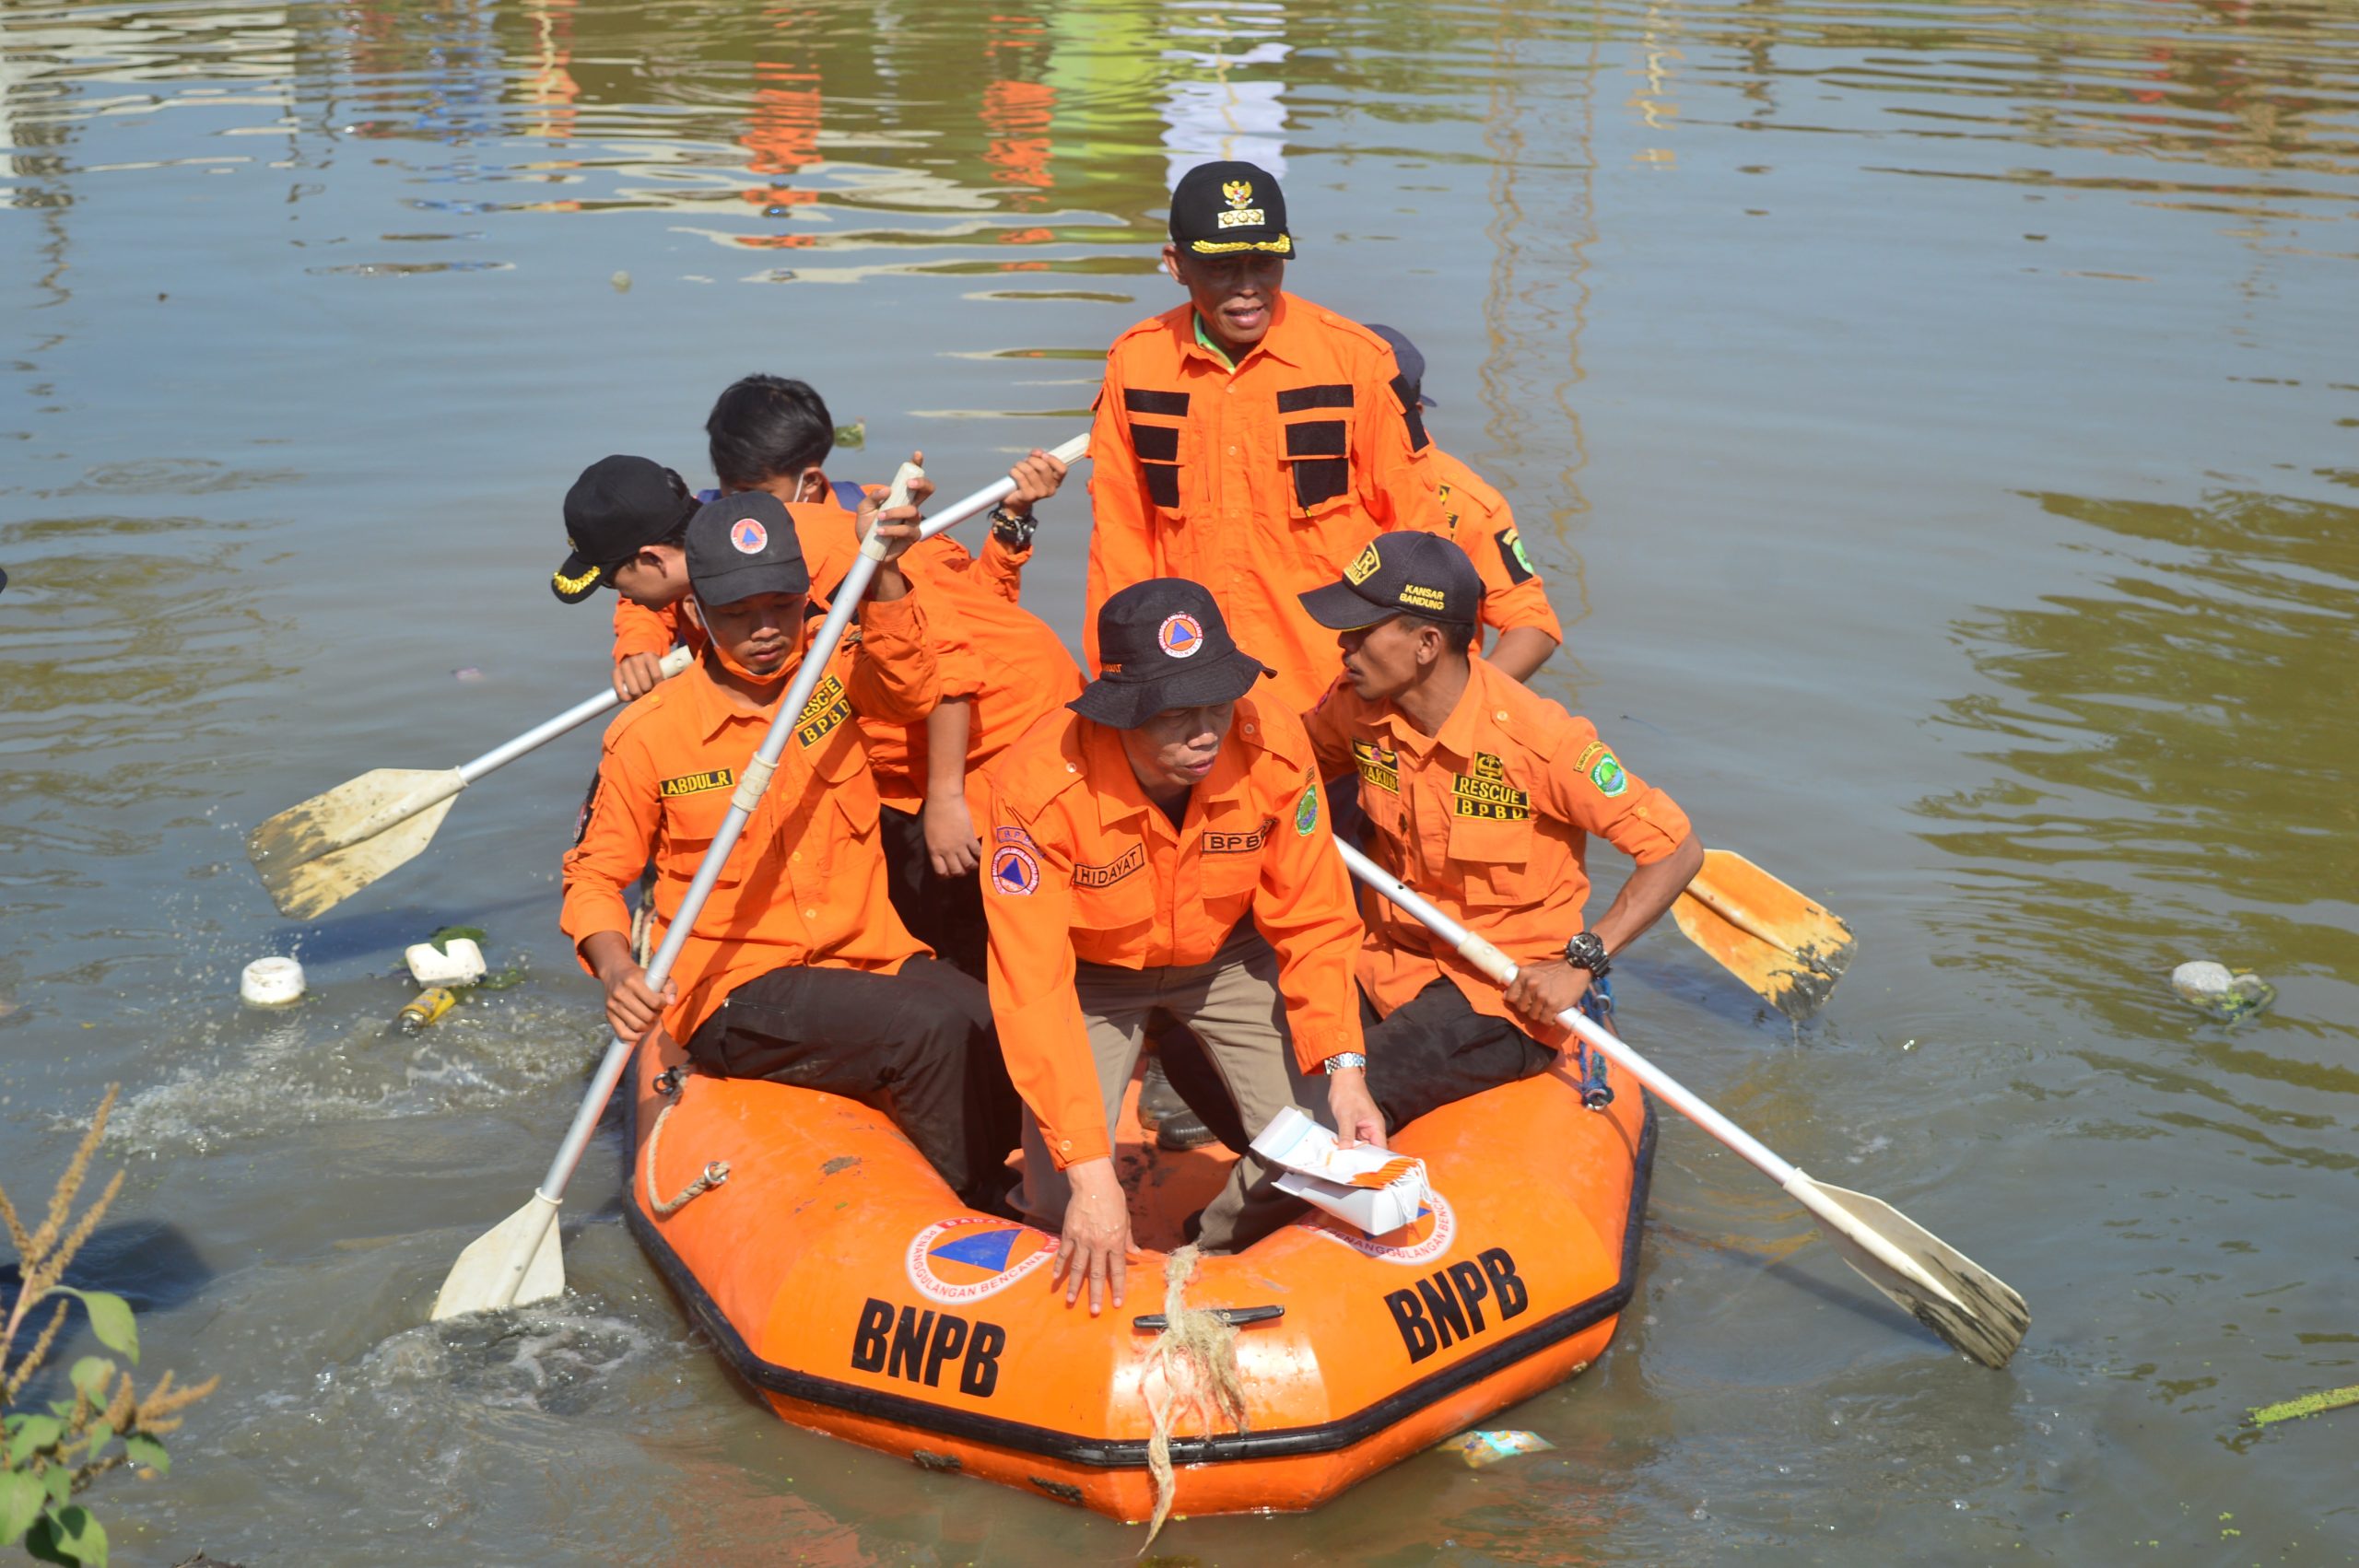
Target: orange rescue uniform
{"x":1489,"y":819}
{"x":806,"y":881}
{"x":1480,"y":524}
{"x":1260,"y":481}
{"x":1081,"y":866}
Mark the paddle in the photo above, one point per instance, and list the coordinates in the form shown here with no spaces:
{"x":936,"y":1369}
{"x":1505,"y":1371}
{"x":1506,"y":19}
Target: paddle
{"x":518,"y":1261}
{"x":1935,"y":1283}
{"x":1789,"y":950}
{"x":314,"y":856}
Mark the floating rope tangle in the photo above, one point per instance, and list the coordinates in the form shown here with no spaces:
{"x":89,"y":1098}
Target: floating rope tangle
{"x":1195,"y":1359}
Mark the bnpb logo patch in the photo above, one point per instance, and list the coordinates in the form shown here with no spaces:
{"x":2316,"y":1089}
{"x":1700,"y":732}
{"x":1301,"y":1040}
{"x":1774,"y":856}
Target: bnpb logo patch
{"x":973,"y":1257}
{"x":1180,"y":636}
{"x":1422,"y":1240}
{"x":750,"y":537}
{"x":1013,"y":871}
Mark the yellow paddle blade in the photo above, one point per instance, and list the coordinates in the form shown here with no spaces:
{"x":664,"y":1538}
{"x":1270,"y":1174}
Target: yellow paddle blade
{"x":1789,"y":950}
{"x":478,"y":1280}
{"x":314,"y":856}
{"x":1967,"y":1305}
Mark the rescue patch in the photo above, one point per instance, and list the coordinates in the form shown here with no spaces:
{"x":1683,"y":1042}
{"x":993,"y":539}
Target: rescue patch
{"x":826,"y":709}
{"x":1512,"y":556}
{"x":1489,"y":765}
{"x":973,"y":1257}
{"x":1422,"y":1240}
{"x":1114,"y":870}
{"x":1239,"y":842}
{"x":1474,"y":795}
{"x":693,"y":783}
{"x":1015,"y":872}
{"x":1379,"y":764}
{"x":1180,"y":636}
{"x":1306,"y":812}
{"x":1608,"y":776}
{"x":750,"y":537}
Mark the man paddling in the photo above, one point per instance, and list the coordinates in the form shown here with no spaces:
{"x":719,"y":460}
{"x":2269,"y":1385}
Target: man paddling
{"x":1515,"y":601}
{"x":1002,"y":666}
{"x":1248,"y":440}
{"x":798,"y":970}
{"x":1160,"y":854}
{"x":1482,"y":796}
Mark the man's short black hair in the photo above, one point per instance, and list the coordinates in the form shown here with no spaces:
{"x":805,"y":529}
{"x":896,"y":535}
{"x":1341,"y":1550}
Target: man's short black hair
{"x":1458,"y":637}
{"x":762,"y":427}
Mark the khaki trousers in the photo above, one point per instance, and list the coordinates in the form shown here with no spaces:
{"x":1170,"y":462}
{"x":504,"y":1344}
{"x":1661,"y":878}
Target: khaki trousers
{"x":1234,"y":1006}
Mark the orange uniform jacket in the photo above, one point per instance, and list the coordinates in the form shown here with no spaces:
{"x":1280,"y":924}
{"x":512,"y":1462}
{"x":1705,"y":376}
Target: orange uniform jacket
{"x":1490,"y":820}
{"x":1483,"y":526}
{"x":1001,"y":657}
{"x":1261,"y":483}
{"x":1081,"y":866}
{"x":806,"y":881}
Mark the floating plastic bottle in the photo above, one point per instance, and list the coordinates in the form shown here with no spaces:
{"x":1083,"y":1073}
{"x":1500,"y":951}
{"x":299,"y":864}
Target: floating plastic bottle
{"x":426,"y":1007}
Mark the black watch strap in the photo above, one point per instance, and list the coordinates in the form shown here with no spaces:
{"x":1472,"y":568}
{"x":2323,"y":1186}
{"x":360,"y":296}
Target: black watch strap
{"x":1587,"y":950}
{"x":1012,"y":530}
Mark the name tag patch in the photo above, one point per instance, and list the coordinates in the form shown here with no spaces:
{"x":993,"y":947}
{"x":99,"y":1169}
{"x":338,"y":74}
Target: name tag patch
{"x":1379,"y":764}
{"x":1239,"y":842}
{"x":1114,"y":870}
{"x":689,"y":784}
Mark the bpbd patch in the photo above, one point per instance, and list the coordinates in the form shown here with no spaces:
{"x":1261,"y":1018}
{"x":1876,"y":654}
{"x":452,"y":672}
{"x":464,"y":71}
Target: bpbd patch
{"x":826,"y":709}
{"x":1485,"y":793}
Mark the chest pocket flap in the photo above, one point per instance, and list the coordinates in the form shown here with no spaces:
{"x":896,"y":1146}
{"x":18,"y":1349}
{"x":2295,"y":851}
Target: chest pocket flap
{"x":1491,"y":856}
{"x":1318,"y":424}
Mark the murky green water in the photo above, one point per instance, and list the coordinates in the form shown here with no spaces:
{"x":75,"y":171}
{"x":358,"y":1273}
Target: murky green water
{"x":1941,"y":417}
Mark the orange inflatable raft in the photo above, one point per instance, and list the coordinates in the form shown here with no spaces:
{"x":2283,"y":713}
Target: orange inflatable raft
{"x":836,"y":1274}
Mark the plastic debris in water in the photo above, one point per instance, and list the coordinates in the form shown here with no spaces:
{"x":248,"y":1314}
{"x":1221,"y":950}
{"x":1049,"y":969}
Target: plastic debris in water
{"x":1480,"y":1448}
{"x":467,"y":676}
{"x":620,"y":283}
{"x":2210,"y":989}
{"x":426,"y":1007}
{"x":271,"y":982}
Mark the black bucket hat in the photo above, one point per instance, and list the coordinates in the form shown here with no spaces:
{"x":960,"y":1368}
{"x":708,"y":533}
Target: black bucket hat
{"x":743,"y":545}
{"x":618,"y":507}
{"x":1401,"y":573}
{"x":1162,"y":644}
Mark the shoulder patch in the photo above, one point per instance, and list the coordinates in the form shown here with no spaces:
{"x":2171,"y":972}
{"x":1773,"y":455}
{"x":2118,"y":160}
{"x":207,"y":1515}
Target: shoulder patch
{"x":1016,"y":873}
{"x":1306,"y":810}
{"x":1511,"y":555}
{"x":1606,"y":773}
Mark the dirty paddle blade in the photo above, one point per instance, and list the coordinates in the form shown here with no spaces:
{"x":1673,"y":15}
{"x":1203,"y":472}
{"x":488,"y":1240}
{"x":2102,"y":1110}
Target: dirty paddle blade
{"x":478,"y":1280}
{"x":1973,"y":1309}
{"x":1788,"y":950}
{"x":314,"y":856}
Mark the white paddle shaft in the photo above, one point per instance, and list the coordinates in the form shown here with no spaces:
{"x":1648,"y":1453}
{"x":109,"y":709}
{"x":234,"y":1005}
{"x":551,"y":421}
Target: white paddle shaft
{"x":572,"y":718}
{"x":1499,"y":968}
{"x":551,"y":1192}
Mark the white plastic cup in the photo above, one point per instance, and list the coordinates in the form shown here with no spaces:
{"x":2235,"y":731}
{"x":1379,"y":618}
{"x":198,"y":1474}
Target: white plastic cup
{"x":460,"y":964}
{"x":271,"y":982}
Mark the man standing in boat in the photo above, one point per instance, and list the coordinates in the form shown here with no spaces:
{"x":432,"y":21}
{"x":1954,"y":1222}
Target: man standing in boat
{"x":798,"y":970}
{"x":1159,"y":855}
{"x":1482,"y":796}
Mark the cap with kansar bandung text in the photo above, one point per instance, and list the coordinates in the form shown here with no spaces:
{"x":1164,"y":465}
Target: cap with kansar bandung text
{"x":1219,"y":209}
{"x":744,"y":544}
{"x":1402,"y":573}
{"x":1162,"y":644}
{"x":618,"y":507}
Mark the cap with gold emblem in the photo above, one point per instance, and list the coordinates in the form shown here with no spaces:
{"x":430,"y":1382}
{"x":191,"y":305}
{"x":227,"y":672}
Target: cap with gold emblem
{"x":1402,"y":573}
{"x":1221,"y":208}
{"x":618,"y":507}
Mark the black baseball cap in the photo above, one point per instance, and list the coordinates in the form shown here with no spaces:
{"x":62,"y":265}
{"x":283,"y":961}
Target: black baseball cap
{"x":743,"y":545}
{"x":1401,"y":573}
{"x":618,"y":507}
{"x":1162,"y":644}
{"x":1221,"y":208}
{"x":1411,"y":363}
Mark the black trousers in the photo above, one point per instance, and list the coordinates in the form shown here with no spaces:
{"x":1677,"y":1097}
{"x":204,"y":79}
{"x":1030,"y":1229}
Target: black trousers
{"x":943,"y":912}
{"x":1436,"y":1049}
{"x":917,"y":1046}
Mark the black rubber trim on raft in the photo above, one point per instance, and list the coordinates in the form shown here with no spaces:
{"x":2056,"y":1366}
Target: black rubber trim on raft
{"x":1098,"y":1453}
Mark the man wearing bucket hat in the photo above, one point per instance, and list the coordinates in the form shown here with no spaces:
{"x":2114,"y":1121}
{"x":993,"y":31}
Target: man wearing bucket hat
{"x":798,"y":969}
{"x":1515,"y":601}
{"x":1482,"y":796}
{"x":1160,"y":854}
{"x":1248,"y":440}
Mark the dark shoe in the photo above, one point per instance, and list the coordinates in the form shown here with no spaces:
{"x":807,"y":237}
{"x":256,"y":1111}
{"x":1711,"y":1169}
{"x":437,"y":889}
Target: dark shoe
{"x":1161,"y":1109}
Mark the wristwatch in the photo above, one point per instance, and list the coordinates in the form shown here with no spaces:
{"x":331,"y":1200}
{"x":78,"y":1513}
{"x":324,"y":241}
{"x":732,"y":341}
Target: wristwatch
{"x":1012,"y":530}
{"x":1587,"y":950}
{"x":1342,"y":1060}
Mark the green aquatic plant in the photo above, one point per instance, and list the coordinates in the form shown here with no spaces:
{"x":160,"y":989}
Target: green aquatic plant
{"x":2308,"y":1405}
{"x":54,"y":1454}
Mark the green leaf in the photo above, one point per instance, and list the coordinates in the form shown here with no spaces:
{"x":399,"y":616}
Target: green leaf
{"x":30,"y":1434}
{"x":68,"y":1535}
{"x":21,"y":1497}
{"x":100,"y":1433}
{"x":91,"y":1375}
{"x":440,"y":939}
{"x":145,"y":1450}
{"x":112,"y":1321}
{"x":60,"y":1481}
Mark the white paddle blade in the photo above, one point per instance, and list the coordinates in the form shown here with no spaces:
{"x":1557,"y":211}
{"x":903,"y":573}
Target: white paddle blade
{"x":479,"y":1279}
{"x":1940,"y":1287}
{"x":314,"y":856}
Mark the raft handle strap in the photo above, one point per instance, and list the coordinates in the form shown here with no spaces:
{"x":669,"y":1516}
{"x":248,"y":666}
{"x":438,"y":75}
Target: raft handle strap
{"x":714,"y":1173}
{"x":1235,"y":1316}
